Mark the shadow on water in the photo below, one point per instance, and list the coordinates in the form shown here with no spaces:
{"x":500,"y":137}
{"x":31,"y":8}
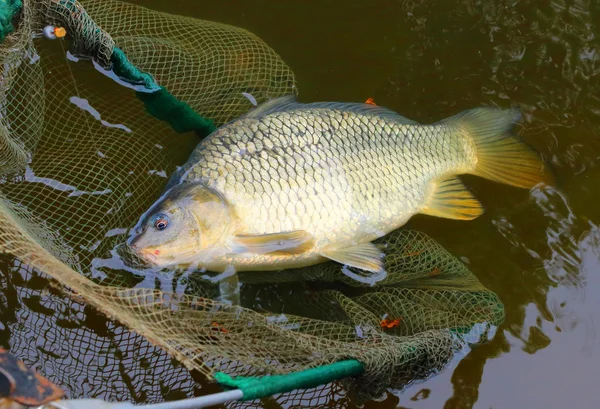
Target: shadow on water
{"x":428,"y":60}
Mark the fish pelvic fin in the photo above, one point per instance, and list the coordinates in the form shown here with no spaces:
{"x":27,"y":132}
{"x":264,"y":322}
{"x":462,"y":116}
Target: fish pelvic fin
{"x":451,"y":199}
{"x":502,"y":156}
{"x":285,"y":243}
{"x":366,"y":256}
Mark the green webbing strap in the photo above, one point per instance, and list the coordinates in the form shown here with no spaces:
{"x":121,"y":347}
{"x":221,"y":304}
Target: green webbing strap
{"x":9,"y":9}
{"x":263,"y":386}
{"x":161,"y":103}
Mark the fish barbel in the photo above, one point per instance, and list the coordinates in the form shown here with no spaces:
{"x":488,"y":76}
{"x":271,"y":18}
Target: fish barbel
{"x":291,"y":184}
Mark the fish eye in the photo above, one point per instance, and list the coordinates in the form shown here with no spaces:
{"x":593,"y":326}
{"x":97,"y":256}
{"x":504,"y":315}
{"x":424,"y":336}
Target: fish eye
{"x":161,"y":221}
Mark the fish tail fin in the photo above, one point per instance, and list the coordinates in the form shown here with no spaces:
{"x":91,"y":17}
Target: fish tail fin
{"x":500,"y":155}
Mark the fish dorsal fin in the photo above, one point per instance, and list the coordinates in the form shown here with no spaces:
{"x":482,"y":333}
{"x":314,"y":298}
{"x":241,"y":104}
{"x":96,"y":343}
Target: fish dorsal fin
{"x":363,"y":109}
{"x":285,"y":243}
{"x":273,"y":105}
{"x":289,"y":101}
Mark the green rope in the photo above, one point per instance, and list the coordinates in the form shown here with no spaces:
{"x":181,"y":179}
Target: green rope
{"x":182,"y":118}
{"x":260,"y":387}
{"x":9,"y":9}
{"x":161,"y":103}
{"x":125,"y":69}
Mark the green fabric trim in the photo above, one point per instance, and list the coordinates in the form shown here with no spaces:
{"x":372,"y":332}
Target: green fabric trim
{"x":9,"y":9}
{"x":161,"y":103}
{"x":125,"y":69}
{"x":182,"y":118}
{"x":260,"y":387}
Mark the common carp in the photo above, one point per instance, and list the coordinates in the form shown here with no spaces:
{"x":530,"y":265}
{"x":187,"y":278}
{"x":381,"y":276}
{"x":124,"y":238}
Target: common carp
{"x":294,"y":184}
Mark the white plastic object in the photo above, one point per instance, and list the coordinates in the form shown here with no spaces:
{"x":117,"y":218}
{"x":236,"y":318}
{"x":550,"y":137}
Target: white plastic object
{"x":48,"y":32}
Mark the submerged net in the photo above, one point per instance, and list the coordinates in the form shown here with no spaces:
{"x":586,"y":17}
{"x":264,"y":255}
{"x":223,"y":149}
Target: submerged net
{"x":81,"y":158}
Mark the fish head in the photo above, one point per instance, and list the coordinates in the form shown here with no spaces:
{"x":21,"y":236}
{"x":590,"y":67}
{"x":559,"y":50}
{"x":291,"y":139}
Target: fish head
{"x":186,"y":225}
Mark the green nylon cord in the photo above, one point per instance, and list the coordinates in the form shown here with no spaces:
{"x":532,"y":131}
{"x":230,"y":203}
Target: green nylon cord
{"x":9,"y":9}
{"x":260,"y":387}
{"x":161,"y":103}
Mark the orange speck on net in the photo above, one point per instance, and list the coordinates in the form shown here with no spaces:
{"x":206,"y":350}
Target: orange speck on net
{"x":370,"y":101}
{"x":60,"y":32}
{"x":434,"y":272}
{"x":413,"y":253}
{"x":387,"y":323}
{"x":217,"y":327}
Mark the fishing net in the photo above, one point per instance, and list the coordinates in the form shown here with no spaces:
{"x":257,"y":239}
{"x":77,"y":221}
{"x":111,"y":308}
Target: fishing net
{"x":81,"y":157}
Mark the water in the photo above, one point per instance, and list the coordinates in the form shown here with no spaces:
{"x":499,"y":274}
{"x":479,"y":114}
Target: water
{"x":539,"y":251}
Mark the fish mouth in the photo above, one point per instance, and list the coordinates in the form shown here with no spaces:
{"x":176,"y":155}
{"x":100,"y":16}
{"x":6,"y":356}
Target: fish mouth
{"x":131,"y":258}
{"x":149,"y":256}
{"x":145,"y":257}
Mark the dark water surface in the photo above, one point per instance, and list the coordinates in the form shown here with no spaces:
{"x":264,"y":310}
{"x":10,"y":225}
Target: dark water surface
{"x":539,"y":250}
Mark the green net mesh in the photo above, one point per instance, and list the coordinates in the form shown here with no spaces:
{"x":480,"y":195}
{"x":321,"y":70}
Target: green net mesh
{"x":80,"y":159}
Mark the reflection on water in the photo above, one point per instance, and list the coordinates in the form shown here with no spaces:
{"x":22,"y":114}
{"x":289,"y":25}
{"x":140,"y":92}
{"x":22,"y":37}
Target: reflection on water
{"x":540,"y":252}
{"x":85,"y":105}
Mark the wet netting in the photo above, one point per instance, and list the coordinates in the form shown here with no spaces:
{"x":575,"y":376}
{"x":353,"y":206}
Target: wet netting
{"x":92,"y":124}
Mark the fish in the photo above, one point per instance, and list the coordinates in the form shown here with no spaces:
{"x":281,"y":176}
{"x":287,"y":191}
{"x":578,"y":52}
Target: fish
{"x":293,"y":184}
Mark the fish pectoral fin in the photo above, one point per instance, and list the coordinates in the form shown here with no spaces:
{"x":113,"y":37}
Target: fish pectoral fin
{"x":293,"y":242}
{"x":367,"y":256}
{"x":452,"y":200}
